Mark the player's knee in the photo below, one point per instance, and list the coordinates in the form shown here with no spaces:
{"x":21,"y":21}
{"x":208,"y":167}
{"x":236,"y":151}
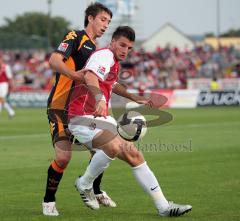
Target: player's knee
{"x":112,"y":149}
{"x":131,"y":155}
{"x":63,"y":161}
{"x":136,"y":158}
{"x":63,"y":158}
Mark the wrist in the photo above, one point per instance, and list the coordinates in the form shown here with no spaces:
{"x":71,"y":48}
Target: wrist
{"x":133,"y":97}
{"x":100,"y":97}
{"x":70,"y":73}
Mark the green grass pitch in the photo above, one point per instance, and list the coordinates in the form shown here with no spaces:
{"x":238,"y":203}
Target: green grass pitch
{"x":196,"y":158}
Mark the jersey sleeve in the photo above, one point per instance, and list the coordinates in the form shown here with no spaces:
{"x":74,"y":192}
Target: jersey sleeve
{"x":9,"y":72}
{"x":100,"y":63}
{"x":69,"y":44}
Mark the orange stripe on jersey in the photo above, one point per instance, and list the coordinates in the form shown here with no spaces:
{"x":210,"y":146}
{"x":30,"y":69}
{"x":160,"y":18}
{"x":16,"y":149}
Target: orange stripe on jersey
{"x":60,"y":125}
{"x":63,"y":87}
{"x":84,"y":39}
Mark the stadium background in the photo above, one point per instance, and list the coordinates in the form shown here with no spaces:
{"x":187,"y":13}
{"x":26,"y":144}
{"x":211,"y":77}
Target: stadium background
{"x":196,"y":156}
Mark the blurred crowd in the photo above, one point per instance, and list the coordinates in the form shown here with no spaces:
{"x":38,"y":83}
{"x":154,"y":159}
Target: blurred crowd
{"x":170,"y":68}
{"x":31,"y":70}
{"x":164,"y":68}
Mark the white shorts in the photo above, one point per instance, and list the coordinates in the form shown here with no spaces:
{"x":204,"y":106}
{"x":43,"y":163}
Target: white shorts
{"x":85,"y":128}
{"x":3,"y":89}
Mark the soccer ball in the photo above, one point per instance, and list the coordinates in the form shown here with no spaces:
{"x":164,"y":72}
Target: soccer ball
{"x":131,"y":126}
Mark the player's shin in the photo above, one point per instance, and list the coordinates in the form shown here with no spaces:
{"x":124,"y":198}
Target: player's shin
{"x":98,"y":164}
{"x":55,"y":174}
{"x":149,"y":183}
{"x":9,"y":109}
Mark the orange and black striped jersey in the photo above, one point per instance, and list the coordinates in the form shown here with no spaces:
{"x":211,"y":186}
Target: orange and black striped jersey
{"x":76,"y":47}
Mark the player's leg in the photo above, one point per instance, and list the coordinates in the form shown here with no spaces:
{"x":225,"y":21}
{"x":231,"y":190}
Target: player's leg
{"x":101,"y":195}
{"x":147,"y":180}
{"x":81,"y":128}
{"x":56,"y":169}
{"x":117,"y":147}
{"x":143,"y":174}
{"x":110,"y":145}
{"x":6,"y":105}
{"x":1,"y":97}
{"x":1,"y":103}
{"x":62,"y":147}
{"x":54,"y":176}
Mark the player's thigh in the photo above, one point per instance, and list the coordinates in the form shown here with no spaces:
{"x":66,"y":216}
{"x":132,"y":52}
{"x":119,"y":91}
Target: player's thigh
{"x":63,"y":152}
{"x":59,"y":130}
{"x":93,"y":132}
{"x":107,"y":141}
{"x":3,"y":90}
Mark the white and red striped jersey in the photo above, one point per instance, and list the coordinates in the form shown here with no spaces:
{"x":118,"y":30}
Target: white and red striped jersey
{"x":104,"y":65}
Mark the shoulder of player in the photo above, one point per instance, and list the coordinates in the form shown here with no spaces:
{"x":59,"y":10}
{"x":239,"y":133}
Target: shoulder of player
{"x":6,"y":67}
{"x":103,"y":53}
{"x":73,"y":34}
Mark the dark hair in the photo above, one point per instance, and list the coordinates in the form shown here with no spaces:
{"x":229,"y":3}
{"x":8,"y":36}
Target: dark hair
{"x":124,"y":31}
{"x":94,"y":9}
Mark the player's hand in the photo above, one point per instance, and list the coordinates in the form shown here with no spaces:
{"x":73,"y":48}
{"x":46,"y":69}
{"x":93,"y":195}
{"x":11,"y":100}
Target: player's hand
{"x":142,"y":100}
{"x":154,"y":101}
{"x":101,"y":109}
{"x":78,"y":75}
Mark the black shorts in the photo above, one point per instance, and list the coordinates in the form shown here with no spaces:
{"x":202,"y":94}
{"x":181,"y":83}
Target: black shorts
{"x":58,"y":121}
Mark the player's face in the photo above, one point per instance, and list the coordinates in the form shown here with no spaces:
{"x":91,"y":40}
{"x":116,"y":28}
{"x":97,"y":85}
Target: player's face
{"x":100,"y":23}
{"x":121,"y":47}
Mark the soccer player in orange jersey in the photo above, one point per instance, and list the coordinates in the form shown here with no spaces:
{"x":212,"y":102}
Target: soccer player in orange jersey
{"x":68,"y":60}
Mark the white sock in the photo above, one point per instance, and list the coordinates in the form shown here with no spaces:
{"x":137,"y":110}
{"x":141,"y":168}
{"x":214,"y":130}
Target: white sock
{"x":148,"y":181}
{"x":8,"y":108}
{"x":98,"y":164}
{"x":0,"y":107}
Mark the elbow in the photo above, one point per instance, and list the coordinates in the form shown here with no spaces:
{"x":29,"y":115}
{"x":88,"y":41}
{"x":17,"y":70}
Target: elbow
{"x":89,"y":77}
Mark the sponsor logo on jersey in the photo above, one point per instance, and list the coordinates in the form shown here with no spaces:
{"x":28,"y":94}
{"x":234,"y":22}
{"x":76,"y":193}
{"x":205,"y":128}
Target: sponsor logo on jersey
{"x":101,"y":70}
{"x":85,"y":46}
{"x":70,"y":36}
{"x":63,"y":47}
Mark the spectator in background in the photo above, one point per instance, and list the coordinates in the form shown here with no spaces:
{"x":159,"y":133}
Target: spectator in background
{"x":214,"y":84}
{"x":164,"y":68}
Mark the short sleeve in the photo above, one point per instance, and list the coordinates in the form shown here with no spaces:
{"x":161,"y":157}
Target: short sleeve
{"x":68,"y":45}
{"x":100,"y":63}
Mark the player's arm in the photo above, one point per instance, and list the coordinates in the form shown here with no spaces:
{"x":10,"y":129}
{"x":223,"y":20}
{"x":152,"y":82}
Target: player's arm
{"x":98,"y":67}
{"x":56,"y":62}
{"x":66,"y":48}
{"x":92,"y":82}
{"x":121,"y":90}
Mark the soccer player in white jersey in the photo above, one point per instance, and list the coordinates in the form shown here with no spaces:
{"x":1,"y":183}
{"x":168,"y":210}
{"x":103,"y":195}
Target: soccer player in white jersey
{"x":91,"y":124}
{"x":5,"y":82}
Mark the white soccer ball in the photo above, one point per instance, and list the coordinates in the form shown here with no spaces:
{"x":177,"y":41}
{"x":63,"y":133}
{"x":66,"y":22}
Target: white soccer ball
{"x":132,"y":126}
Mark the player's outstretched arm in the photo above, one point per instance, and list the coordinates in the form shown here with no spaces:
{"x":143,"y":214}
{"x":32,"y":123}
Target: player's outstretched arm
{"x":121,"y":90}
